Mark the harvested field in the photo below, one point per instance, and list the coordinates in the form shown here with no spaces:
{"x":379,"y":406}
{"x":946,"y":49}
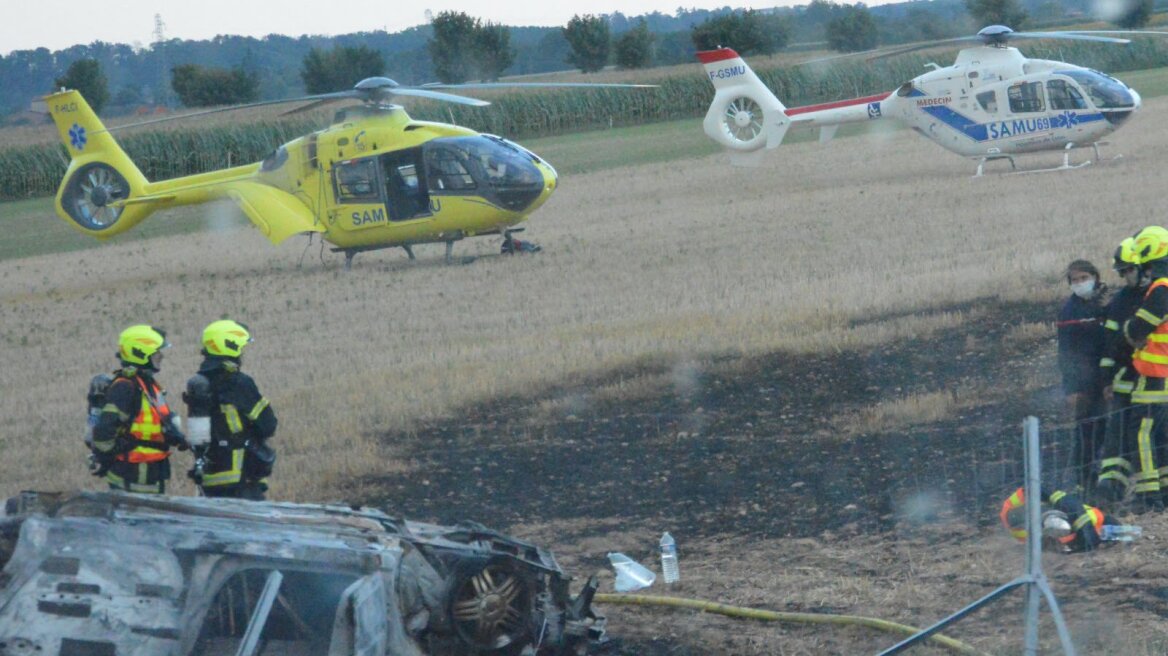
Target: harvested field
{"x":842,"y":308}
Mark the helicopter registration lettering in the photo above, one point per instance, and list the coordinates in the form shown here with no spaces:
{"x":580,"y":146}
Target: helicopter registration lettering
{"x":723,"y":73}
{"x":1005,"y":129}
{"x":362,"y":218}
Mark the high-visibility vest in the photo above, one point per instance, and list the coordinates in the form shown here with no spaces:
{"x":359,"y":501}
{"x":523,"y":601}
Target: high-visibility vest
{"x":1017,"y":501}
{"x":147,"y":426}
{"x":1090,"y":515}
{"x":1151,"y":361}
{"x":1014,"y":501}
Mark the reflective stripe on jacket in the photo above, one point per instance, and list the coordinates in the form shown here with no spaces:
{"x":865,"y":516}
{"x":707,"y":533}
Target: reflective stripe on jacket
{"x":147,"y":426}
{"x":1152,"y":359}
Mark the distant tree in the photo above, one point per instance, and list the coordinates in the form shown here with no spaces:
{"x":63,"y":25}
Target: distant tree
{"x":634,"y":49}
{"x":454,"y":46}
{"x":748,"y":32}
{"x":1137,"y":14}
{"x":197,"y":86}
{"x":493,"y":51}
{"x":853,"y":30}
{"x":810,"y":21}
{"x":127,"y":96}
{"x":924,"y":25}
{"x":85,"y":76}
{"x":818,"y":12}
{"x":673,"y":48}
{"x":340,"y":68}
{"x":590,"y":40}
{"x":996,"y":12}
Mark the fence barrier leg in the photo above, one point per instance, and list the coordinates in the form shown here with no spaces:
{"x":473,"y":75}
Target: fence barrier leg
{"x":1036,"y":583}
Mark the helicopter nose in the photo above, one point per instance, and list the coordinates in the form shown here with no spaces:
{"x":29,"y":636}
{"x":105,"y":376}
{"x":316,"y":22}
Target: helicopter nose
{"x":1135,"y":98}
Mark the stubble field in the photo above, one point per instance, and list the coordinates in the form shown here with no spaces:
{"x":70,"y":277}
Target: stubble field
{"x":656,"y":281}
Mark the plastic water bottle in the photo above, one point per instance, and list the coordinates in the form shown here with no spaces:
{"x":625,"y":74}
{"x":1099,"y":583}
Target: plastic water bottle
{"x":669,"y":569}
{"x":1120,"y":532}
{"x":90,"y":424}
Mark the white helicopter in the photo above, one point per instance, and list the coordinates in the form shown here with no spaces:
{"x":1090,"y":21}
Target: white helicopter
{"x":992,"y":103}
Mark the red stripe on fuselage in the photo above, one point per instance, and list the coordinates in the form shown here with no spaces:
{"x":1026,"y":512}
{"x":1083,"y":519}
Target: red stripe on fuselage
{"x":721,"y":54}
{"x":837,"y":104}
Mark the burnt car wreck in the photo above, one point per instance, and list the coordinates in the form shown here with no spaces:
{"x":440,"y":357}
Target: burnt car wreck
{"x":110,"y":574}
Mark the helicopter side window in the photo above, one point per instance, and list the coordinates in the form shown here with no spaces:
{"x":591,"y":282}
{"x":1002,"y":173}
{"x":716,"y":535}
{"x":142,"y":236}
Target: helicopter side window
{"x":1064,"y":96}
{"x":447,"y":170}
{"x":988,"y":101}
{"x":356,"y":181}
{"x":1026,"y":97}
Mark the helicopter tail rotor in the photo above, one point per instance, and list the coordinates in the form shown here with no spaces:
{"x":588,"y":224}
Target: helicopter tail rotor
{"x":101,"y":177}
{"x":745,"y":116}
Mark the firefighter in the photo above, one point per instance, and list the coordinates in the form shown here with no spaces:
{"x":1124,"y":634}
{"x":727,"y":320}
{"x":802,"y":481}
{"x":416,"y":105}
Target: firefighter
{"x":1147,"y":333}
{"x":1117,"y":373}
{"x":234,"y":460}
{"x":1080,"y":348}
{"x":136,"y":429}
{"x":1067,"y":522}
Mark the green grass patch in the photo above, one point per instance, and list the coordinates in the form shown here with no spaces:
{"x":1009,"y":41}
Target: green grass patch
{"x":629,"y":146}
{"x":32,"y":227}
{"x":1150,"y":83}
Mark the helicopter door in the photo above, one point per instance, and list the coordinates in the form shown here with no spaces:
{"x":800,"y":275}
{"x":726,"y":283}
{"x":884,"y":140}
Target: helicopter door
{"x":1063,"y":94}
{"x":405,"y":189}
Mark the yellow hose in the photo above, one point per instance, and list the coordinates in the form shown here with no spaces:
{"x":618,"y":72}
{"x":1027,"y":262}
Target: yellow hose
{"x":775,"y":616}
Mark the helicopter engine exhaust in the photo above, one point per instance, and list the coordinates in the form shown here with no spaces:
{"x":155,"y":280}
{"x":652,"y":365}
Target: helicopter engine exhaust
{"x":745,"y":116}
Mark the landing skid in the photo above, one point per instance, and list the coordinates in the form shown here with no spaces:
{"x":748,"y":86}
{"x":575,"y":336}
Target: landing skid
{"x":449,"y":240}
{"x":1066,"y":165}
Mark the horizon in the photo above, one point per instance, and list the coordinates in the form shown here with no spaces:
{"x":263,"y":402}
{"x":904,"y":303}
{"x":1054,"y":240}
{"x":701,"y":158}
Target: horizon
{"x":132,"y":22}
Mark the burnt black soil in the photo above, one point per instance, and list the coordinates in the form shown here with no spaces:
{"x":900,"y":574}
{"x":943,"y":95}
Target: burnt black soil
{"x":741,"y":436}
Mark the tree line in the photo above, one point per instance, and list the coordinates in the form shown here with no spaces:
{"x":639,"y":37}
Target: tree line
{"x":456,"y":47}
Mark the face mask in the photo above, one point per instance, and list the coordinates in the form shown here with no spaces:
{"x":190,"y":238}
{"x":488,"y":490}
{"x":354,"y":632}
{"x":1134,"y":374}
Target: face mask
{"x":1083,"y":289}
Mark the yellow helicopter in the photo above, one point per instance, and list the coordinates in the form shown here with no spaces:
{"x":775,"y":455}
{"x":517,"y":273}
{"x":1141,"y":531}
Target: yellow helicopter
{"x":374,"y":178}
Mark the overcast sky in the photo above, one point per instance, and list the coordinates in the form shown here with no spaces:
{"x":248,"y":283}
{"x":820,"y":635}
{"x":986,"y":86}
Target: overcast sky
{"x":31,"y":24}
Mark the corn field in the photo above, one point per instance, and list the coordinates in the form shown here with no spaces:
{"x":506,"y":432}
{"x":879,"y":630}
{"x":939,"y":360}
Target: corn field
{"x":36,"y":170}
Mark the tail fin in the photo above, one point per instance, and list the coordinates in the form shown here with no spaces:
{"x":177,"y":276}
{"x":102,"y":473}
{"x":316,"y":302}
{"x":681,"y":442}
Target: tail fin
{"x":745,"y":115}
{"x":100,"y":178}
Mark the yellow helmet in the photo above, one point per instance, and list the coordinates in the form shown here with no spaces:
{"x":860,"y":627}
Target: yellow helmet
{"x":1151,"y":244}
{"x":1125,"y":256}
{"x":138,"y":343}
{"x":226,"y":338}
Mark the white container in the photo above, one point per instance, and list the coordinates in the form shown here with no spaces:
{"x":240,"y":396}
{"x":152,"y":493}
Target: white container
{"x":1120,"y":532}
{"x":669,"y":569}
{"x":630,"y":575}
{"x":198,"y":431}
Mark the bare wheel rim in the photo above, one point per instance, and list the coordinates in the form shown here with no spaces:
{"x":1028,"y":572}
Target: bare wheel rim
{"x":490,"y":607}
{"x":743,"y":119}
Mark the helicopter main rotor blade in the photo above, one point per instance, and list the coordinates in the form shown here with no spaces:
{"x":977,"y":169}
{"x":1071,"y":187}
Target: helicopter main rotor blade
{"x":1131,"y":32}
{"x":219,"y":110}
{"x":535,"y":85}
{"x":1069,"y":36}
{"x":316,"y":104}
{"x":892,"y":51}
{"x":438,"y":95}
